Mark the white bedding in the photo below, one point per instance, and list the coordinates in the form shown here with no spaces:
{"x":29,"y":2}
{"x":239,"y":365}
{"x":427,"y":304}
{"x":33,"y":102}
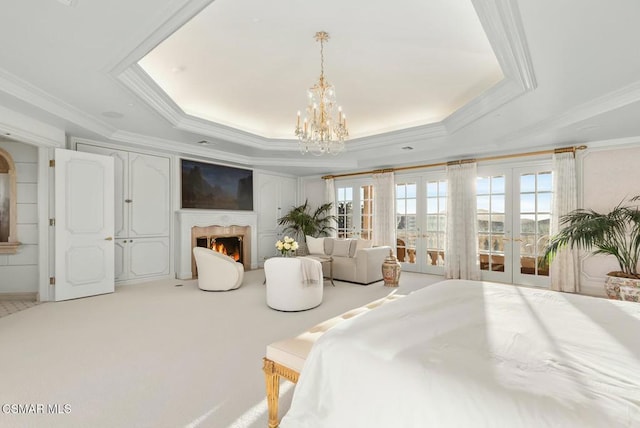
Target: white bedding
{"x":476,"y":354}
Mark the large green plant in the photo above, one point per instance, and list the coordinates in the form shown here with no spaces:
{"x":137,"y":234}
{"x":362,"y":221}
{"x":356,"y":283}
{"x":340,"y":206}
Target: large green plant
{"x":301,"y":221}
{"x":616,"y":233}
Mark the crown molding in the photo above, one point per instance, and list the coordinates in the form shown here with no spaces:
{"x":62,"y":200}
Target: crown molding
{"x":311,"y":162}
{"x":35,"y":96}
{"x":166,"y":22}
{"x":212,"y":129}
{"x":176,"y":147}
{"x":402,"y":136}
{"x":613,"y":100}
{"x":137,"y":81}
{"x":499,"y":18}
{"x":503,"y":27}
{"x":28,"y":130}
{"x":501,"y":93}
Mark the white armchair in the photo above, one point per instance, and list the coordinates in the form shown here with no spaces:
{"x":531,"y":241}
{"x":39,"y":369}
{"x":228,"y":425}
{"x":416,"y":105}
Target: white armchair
{"x":287,"y":289}
{"x":216,"y":271}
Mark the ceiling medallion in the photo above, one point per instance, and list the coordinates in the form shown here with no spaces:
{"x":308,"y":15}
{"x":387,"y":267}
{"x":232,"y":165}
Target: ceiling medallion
{"x":321,"y":133}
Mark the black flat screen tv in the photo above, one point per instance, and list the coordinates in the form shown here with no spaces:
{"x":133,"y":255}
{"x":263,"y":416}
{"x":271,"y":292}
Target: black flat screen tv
{"x":216,"y":187}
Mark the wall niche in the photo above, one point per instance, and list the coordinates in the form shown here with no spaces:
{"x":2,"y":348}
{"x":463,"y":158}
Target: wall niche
{"x":8,"y":239}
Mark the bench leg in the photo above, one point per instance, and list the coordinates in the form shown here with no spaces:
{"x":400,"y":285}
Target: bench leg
{"x":273,"y":392}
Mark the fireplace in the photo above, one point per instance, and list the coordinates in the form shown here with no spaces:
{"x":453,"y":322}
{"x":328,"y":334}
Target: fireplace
{"x":233,"y":241}
{"x":228,"y":223}
{"x":229,"y":246}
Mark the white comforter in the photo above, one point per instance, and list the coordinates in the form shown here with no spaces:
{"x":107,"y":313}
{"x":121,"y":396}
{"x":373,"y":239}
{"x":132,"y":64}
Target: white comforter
{"x":476,"y":354}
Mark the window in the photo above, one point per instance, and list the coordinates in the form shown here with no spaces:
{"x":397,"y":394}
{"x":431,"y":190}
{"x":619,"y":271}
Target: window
{"x":535,"y":217}
{"x":491,"y":218}
{"x":355,"y":201}
{"x":366,"y":212}
{"x":8,"y":239}
{"x":406,"y":221}
{"x":344,"y":201}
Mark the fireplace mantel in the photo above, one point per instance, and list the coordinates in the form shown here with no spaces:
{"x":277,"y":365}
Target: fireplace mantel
{"x":186,"y":219}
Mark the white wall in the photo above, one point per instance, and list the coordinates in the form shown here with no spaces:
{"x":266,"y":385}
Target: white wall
{"x":312,"y":189}
{"x":19,"y":272}
{"x":607,"y":177}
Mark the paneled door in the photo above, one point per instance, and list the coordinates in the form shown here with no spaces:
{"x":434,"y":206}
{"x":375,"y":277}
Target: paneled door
{"x":354,"y":208}
{"x":84,"y":232}
{"x":421,"y":222}
{"x":514,"y":212}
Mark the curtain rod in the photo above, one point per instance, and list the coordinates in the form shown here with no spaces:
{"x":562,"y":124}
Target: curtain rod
{"x":571,"y":149}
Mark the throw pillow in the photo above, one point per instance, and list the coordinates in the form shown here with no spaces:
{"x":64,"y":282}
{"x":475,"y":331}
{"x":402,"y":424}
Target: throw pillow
{"x":315,"y":245}
{"x":363,"y":243}
{"x":328,"y":245}
{"x":341,"y":247}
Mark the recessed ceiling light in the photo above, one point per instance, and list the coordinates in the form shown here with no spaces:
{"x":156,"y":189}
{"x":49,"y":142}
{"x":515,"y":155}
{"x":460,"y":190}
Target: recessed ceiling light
{"x":407,"y":148}
{"x":113,"y":114}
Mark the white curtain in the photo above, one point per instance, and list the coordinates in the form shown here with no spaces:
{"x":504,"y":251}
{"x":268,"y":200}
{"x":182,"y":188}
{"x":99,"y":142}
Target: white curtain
{"x":461,"y":251}
{"x":330,"y":196}
{"x":563,"y":271}
{"x":384,"y":211}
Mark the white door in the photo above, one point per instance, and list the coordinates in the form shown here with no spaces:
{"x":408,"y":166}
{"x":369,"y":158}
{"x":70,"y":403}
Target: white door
{"x":84,"y":233}
{"x":355,"y":210}
{"x":514,"y":212}
{"x":421,"y":220}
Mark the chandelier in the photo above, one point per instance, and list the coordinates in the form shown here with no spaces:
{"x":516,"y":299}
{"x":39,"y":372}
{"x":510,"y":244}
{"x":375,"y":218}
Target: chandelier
{"x":321,"y":132}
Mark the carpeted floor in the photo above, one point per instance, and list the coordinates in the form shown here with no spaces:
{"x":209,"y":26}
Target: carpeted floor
{"x":158,"y":354}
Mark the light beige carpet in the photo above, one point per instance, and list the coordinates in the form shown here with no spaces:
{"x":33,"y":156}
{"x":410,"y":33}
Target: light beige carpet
{"x":155,"y":354}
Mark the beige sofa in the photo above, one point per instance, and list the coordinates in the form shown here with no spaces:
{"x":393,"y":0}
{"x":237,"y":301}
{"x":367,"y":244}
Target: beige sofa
{"x":354,"y":260}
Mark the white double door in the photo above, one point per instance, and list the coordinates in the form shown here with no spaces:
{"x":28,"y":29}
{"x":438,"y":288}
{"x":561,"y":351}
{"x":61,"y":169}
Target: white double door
{"x":514,"y":217}
{"x":514,"y":213}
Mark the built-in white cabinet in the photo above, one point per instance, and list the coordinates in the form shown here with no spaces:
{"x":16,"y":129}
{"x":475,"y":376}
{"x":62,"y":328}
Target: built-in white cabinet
{"x":137,"y":258}
{"x":142,"y":212}
{"x":275,"y":196}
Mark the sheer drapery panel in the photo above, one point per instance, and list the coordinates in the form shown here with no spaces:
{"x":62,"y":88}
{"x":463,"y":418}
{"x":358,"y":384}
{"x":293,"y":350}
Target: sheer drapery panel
{"x":461,"y":261}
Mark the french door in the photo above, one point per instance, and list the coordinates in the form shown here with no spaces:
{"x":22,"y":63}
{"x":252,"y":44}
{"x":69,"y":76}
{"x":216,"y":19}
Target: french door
{"x":421,"y":221}
{"x":354,"y":203}
{"x":514,"y":214}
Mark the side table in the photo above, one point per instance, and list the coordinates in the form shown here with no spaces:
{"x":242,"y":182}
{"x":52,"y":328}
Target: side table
{"x":324,"y":260}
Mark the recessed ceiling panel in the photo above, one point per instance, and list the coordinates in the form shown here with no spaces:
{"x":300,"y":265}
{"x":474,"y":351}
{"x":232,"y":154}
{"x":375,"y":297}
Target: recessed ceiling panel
{"x":394,"y":64}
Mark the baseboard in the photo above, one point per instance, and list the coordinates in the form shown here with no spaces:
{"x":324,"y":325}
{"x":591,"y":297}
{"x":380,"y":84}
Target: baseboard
{"x":30,"y":296}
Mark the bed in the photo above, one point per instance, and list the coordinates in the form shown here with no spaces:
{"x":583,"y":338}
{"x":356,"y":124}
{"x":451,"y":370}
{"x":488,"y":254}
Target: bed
{"x":476,"y":354}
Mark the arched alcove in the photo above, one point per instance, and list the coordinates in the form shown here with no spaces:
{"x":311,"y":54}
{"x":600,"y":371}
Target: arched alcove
{"x":8,"y":233}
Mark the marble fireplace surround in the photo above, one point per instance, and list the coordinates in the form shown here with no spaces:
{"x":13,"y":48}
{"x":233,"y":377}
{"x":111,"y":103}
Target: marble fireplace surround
{"x":187,"y":219}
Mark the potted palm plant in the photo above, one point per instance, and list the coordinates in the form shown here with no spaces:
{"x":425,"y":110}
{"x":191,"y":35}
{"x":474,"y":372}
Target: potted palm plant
{"x":301,"y":221}
{"x":615,"y":233}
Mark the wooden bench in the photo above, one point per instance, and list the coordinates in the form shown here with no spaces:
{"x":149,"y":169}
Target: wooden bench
{"x":285,"y":358}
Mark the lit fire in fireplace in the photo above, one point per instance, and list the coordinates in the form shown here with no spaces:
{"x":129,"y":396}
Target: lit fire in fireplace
{"x":221,"y":248}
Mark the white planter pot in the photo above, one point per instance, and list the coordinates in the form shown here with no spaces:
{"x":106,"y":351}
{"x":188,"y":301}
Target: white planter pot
{"x":622,"y":288}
